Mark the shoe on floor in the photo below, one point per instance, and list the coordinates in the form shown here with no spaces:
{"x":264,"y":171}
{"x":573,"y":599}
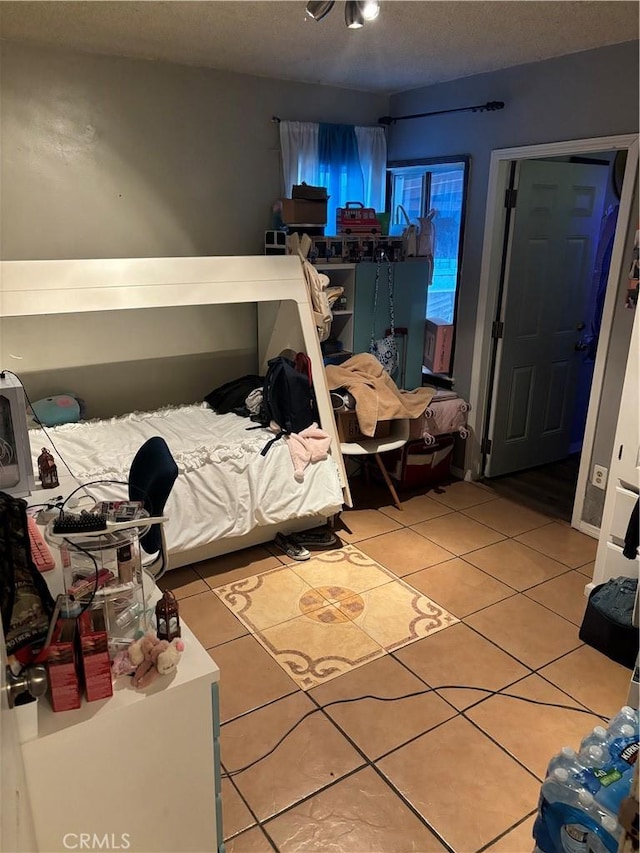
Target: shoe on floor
{"x":292,"y":548}
{"x":316,"y":539}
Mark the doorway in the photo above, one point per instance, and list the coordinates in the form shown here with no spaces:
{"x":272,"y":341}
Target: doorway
{"x":509,"y":373}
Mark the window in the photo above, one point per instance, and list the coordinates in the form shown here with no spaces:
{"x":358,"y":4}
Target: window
{"x":349,"y":161}
{"x":440,"y":186}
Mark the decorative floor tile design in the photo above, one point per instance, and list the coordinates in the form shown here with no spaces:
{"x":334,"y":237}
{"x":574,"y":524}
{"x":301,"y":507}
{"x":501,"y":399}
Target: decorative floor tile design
{"x":335,"y":612}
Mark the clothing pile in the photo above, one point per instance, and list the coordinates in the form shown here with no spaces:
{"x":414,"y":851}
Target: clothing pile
{"x":377,"y":397}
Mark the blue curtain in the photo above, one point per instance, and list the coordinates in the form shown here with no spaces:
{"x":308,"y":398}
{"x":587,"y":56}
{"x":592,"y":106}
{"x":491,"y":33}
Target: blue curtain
{"x":340,"y":170}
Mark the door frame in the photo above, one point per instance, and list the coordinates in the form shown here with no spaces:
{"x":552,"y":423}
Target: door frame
{"x":492,"y":250}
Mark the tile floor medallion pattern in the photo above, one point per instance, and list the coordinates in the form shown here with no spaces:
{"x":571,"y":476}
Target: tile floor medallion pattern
{"x":328,"y":615}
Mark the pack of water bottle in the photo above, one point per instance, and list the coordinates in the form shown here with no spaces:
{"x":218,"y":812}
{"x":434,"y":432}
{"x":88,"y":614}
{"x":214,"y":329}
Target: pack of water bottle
{"x":581,"y":795}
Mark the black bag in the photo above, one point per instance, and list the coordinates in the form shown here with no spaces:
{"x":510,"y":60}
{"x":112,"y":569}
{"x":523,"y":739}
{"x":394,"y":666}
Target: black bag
{"x":230,"y":397}
{"x":288,"y":398}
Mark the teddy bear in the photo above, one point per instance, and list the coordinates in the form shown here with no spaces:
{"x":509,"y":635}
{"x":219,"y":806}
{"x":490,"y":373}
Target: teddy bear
{"x":153,"y":657}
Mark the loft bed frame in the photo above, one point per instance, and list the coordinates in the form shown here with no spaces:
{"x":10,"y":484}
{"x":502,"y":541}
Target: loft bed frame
{"x":177,"y":327}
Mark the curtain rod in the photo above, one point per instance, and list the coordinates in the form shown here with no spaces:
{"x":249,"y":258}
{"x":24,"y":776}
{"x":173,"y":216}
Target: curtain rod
{"x":490,"y":106}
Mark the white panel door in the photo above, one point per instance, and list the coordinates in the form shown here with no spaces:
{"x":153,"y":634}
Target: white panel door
{"x":551,"y":259}
{"x":16,"y":824}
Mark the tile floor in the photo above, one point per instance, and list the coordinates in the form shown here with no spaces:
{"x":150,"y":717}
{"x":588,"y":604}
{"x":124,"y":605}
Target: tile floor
{"x":458,"y":768}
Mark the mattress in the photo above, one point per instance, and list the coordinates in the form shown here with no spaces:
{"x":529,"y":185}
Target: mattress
{"x":224,"y":487}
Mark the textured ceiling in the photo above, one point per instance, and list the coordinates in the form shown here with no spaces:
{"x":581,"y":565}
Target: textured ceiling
{"x":411,"y":44}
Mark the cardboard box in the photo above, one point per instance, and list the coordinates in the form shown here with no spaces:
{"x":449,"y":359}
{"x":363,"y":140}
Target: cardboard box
{"x":349,"y":429}
{"x":94,"y":654}
{"x":437,"y":345}
{"x":62,"y":669}
{"x":309,"y":193}
{"x":299,"y":211}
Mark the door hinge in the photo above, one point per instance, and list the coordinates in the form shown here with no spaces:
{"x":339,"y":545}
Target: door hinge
{"x":510,"y":197}
{"x":497,"y":330}
{"x":485,"y":447}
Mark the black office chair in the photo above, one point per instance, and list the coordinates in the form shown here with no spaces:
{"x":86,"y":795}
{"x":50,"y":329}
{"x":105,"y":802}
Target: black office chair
{"x":151,"y":477}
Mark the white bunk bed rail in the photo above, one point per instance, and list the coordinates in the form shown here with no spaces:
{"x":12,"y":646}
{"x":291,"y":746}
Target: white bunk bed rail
{"x":45,"y":303}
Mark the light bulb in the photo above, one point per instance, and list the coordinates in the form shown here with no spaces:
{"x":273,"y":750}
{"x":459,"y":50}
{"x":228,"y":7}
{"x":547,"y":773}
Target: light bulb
{"x":370,"y":9}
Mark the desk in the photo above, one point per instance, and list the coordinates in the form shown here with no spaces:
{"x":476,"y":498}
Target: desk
{"x":141,"y":768}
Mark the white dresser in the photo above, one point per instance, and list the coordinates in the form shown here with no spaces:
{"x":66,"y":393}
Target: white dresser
{"x":139,"y":771}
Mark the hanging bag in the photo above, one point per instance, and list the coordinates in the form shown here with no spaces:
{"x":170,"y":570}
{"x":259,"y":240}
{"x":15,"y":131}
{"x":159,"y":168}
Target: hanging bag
{"x":385,"y":349}
{"x":409,"y":235}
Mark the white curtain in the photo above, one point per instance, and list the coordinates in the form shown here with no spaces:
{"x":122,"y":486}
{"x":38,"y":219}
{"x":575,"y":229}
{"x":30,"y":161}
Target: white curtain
{"x":299,"y":144}
{"x":372,"y":150}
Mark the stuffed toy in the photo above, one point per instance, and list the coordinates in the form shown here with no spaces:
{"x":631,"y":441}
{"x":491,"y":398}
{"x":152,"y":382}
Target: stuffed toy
{"x":59,"y":409}
{"x":153,"y":657}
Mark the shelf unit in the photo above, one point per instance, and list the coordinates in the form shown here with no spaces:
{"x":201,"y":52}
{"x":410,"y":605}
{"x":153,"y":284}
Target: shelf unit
{"x":353,"y":325}
{"x":342,"y":275}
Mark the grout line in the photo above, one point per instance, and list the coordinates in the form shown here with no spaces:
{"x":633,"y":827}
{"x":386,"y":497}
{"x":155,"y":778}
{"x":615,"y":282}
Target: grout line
{"x":249,"y":809}
{"x":493,"y":642}
{"x":296,"y":689}
{"x":507,"y":831}
{"x":562,"y":690}
{"x":313,"y":794}
{"x":501,"y":746}
{"x":268,"y":837}
{"x":373,"y":764}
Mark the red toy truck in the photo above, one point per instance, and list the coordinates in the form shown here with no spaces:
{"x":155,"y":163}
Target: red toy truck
{"x":355,"y":218}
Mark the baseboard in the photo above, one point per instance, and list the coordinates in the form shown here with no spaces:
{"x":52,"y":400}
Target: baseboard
{"x":589,"y":529}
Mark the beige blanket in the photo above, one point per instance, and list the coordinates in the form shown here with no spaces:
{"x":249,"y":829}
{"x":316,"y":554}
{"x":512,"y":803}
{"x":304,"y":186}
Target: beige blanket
{"x":377,"y":396}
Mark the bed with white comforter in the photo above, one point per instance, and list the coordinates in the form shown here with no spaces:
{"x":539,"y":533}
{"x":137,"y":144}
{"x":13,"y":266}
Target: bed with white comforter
{"x":225,"y":488}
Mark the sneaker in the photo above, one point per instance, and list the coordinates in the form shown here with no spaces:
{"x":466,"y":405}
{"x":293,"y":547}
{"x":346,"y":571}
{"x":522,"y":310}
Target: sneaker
{"x":316,"y":539}
{"x":291,"y":548}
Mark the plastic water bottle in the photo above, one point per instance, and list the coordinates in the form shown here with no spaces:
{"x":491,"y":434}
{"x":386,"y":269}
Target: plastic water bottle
{"x":562,"y":823}
{"x":596,"y":844}
{"x":594,"y":756}
{"x":625,"y":716}
{"x":595,"y":738}
{"x":567,"y":759}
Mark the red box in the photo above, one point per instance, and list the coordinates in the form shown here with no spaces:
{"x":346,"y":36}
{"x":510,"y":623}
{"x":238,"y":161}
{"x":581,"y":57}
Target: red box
{"x":94,"y":653}
{"x":62,"y":669}
{"x":355,"y":218}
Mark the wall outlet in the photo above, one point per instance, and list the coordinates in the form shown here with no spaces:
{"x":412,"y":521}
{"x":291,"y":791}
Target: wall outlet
{"x":599,"y":479}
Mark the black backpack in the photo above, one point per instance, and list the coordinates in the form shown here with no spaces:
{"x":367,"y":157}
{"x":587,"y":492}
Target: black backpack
{"x":288,"y":398}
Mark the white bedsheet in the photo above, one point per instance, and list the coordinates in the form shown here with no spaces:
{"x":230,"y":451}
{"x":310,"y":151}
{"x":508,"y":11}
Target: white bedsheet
{"x":224,"y":488}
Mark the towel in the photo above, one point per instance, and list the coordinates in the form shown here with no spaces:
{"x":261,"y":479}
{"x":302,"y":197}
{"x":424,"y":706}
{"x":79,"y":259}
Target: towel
{"x":306,"y":447}
{"x":377,"y":396}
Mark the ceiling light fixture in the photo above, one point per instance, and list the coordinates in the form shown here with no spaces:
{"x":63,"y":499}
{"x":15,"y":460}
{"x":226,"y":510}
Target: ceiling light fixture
{"x":353,"y":14}
{"x":356,"y":12}
{"x":317,"y":9}
{"x":370,"y":9}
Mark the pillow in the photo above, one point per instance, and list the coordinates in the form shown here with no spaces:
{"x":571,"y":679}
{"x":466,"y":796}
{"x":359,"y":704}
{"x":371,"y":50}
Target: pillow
{"x":61,"y":409}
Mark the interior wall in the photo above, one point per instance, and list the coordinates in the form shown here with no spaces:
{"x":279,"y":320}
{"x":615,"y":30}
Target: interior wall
{"x":108,"y":157}
{"x":124,"y":361}
{"x":582,"y":95}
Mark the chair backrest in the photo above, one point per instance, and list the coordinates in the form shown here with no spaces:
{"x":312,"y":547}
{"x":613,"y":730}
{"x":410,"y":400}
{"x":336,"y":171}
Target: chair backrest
{"x":151,"y":477}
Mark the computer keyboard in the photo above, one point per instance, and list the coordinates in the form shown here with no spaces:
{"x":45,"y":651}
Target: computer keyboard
{"x":40,"y":552}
